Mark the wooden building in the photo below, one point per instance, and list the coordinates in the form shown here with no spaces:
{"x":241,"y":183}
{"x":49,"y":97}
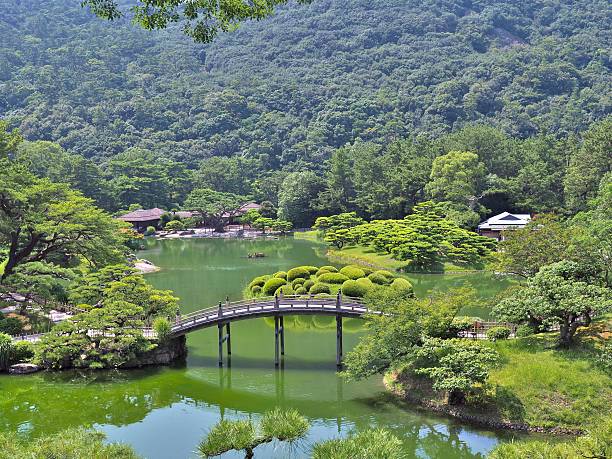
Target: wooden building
{"x":495,"y":226}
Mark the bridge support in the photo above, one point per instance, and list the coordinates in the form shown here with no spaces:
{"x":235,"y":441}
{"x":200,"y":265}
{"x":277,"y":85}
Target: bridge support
{"x":282,"y":335}
{"x":223,"y":338}
{"x":339,"y":351}
{"x":279,"y":339}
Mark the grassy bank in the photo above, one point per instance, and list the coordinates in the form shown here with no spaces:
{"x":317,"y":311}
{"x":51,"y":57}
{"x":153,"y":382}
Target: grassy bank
{"x":307,"y":236}
{"x":537,"y":386}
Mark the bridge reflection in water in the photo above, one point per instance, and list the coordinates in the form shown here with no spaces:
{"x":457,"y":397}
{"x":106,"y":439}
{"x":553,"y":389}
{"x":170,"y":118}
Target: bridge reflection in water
{"x":278,"y":307}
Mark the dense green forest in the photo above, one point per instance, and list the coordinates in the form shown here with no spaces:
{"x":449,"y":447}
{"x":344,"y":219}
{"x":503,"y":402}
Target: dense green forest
{"x":306,"y":81}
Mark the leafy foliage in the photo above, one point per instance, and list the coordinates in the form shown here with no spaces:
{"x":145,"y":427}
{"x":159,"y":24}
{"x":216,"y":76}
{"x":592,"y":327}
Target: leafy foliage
{"x":368,"y":444}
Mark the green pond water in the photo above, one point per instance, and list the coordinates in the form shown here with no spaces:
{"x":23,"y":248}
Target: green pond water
{"x":164,"y":412}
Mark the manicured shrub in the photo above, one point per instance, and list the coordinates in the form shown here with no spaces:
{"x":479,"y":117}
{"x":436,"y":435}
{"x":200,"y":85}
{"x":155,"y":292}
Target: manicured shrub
{"x":496,"y":333}
{"x":300,"y":271}
{"x":10,"y":325}
{"x":459,"y":324}
{"x":298,"y":281}
{"x":524,"y":330}
{"x":150,"y":231}
{"x":285,"y":290}
{"x":353,"y":272}
{"x":323,"y":271}
{"x":311,"y":269}
{"x":174,"y":225}
{"x":378,"y":278}
{"x":308,"y":283}
{"x":280,"y":275}
{"x":162,"y":328}
{"x":354,"y":288}
{"x":367,"y":270}
{"x":332,"y":278}
{"x":272,"y":285}
{"x":401,"y":284}
{"x":23,"y":351}
{"x":364,"y":281}
{"x":301,"y":291}
{"x":389,"y":275}
{"x":319,"y":288}
{"x":259,"y":281}
{"x":256,"y":290}
{"x":329,"y":268}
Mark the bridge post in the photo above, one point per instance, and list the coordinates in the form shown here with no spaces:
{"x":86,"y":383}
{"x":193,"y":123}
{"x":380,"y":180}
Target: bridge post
{"x":338,"y":300}
{"x":276,"y":302}
{"x":220,"y":312}
{"x":338,"y":340}
{"x":229,"y":338}
{"x":282,"y":335}
{"x":220,"y":326}
{"x":276,"y":333}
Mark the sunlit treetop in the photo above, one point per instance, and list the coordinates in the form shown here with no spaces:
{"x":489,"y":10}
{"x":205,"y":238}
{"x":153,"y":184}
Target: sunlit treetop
{"x":202,"y":19}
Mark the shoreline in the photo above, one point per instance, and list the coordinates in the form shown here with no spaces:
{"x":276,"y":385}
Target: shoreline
{"x":459,"y":414}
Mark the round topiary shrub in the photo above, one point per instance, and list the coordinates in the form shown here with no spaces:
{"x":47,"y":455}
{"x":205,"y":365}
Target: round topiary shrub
{"x":524,"y":330}
{"x":301,"y":291}
{"x":280,"y":275}
{"x":272,"y":285}
{"x":260,"y":281}
{"x":496,"y":333}
{"x":285,"y":290}
{"x":378,"y":278}
{"x":322,"y":271}
{"x":389,"y":275}
{"x":329,"y":268}
{"x":319,"y":288}
{"x":364,"y":281}
{"x":150,"y":231}
{"x":366,"y":270}
{"x":332,"y":278}
{"x":300,"y":271}
{"x":353,"y":272}
{"x":256,"y":289}
{"x":308,"y":283}
{"x":298,"y":281}
{"x":311,"y":269}
{"x":354,"y":288}
{"x":401,"y":284}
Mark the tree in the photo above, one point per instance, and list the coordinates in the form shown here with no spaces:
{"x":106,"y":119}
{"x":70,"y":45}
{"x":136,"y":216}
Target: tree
{"x":454,"y":366}
{"x":544,"y":240}
{"x":288,"y":426}
{"x":556,"y":296}
{"x":335,"y":222}
{"x":589,"y":164}
{"x":42,"y":221}
{"x":263,"y":223}
{"x":213,"y":205}
{"x":282,"y":226}
{"x":295,"y":202}
{"x":202,"y":20}
{"x":9,"y":140}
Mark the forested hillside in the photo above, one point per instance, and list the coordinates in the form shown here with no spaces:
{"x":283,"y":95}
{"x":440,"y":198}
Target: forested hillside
{"x":306,"y":81}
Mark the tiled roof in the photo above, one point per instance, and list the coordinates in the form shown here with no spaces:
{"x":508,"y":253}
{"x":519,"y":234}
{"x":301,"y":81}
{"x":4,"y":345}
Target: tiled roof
{"x":505,"y":220}
{"x":143,"y":215}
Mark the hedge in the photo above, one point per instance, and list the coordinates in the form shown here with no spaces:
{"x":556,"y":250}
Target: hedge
{"x":524,"y":330}
{"x":354,"y":288}
{"x":378,"y":278}
{"x":272,"y":285}
{"x":401,"y":284}
{"x":308,"y":283}
{"x":353,"y":272}
{"x":298,"y":281}
{"x":332,"y":278}
{"x":328,"y":268}
{"x":300,"y":271}
{"x":285,"y":290}
{"x":319,"y":288}
{"x":498,"y":333}
{"x":280,"y":275}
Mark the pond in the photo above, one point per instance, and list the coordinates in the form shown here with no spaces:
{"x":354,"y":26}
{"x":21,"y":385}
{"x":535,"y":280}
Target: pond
{"x":164,"y":412}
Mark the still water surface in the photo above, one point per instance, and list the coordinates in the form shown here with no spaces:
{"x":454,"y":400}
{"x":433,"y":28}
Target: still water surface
{"x":164,"y":412}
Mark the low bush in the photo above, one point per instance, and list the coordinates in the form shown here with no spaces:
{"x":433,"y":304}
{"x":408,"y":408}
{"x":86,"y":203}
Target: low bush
{"x":256,"y":290}
{"x":260,"y":281}
{"x":378,"y":278}
{"x":460,"y":324}
{"x":280,"y":275}
{"x":353,"y":272}
{"x":272,"y":285}
{"x":322,"y":271}
{"x":329,"y":268}
{"x":319,"y":288}
{"x":300,"y":271}
{"x":162,"y":328}
{"x":366,"y":270}
{"x":524,"y":330}
{"x":353,"y":288}
{"x":401,"y":284}
{"x":308,"y":283}
{"x":298,"y":281}
{"x":23,"y":351}
{"x":10,"y":325}
{"x":285,"y":290}
{"x":496,"y":333}
{"x":389,"y":275}
{"x":365,"y":282}
{"x":332,"y":278}
{"x":311,"y":269}
{"x":301,"y":291}
{"x":150,"y":231}
{"x":174,"y":225}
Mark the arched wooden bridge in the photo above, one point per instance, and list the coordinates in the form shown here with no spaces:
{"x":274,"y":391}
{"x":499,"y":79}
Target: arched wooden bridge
{"x":277,"y":306}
